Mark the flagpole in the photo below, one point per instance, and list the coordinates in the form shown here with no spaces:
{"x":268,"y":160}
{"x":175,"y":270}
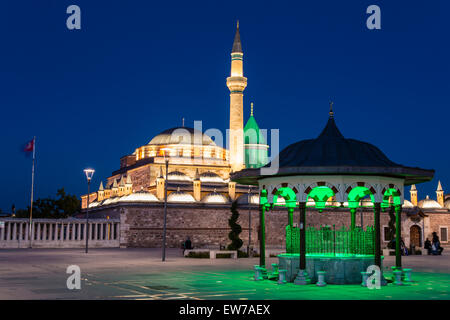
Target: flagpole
{"x":32,"y":190}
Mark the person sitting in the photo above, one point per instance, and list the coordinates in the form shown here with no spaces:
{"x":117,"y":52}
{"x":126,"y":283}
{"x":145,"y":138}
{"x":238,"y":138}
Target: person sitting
{"x":403,"y":249}
{"x":427,"y":246}
{"x":436,"y":245}
{"x":187,"y":245}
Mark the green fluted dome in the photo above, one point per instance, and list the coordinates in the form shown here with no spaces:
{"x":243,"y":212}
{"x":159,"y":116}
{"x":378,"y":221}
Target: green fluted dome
{"x":255,"y":147}
{"x":251,"y":131}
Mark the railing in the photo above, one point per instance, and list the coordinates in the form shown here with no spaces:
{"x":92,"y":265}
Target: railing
{"x":329,"y":241}
{"x":59,"y":233}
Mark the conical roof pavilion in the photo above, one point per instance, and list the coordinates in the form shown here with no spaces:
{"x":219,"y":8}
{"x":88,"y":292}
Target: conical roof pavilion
{"x":332,"y":153}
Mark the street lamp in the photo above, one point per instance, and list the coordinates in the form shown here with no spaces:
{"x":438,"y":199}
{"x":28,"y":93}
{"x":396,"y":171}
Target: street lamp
{"x":166,"y":160}
{"x":89,"y":173}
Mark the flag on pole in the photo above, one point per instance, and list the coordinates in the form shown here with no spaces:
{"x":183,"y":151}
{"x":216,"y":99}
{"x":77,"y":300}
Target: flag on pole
{"x":29,"y":146}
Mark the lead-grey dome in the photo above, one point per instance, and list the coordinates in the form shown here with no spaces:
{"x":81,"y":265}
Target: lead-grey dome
{"x":182,"y":135}
{"x":330,"y":148}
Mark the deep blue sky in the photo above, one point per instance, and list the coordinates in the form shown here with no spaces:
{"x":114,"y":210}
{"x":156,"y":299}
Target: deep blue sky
{"x":137,"y":67}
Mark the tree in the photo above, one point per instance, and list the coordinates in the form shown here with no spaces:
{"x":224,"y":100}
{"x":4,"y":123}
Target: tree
{"x":236,"y":229}
{"x":65,"y":205}
{"x":391,"y":229}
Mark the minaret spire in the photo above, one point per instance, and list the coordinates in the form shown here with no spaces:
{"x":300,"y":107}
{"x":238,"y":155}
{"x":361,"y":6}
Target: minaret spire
{"x":237,"y":45}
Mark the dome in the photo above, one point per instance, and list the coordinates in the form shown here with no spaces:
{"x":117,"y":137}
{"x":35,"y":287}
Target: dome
{"x":447,"y":204}
{"x":110,"y":201}
{"x":182,"y":135}
{"x":215,"y":197}
{"x":210,"y":177}
{"x":94,"y":204}
{"x":140,"y":196}
{"x":178,"y":176}
{"x":429,"y":204}
{"x":243,"y":199}
{"x":330,"y":148}
{"x":180,"y":196}
{"x":407,"y":204}
{"x":366,"y":202}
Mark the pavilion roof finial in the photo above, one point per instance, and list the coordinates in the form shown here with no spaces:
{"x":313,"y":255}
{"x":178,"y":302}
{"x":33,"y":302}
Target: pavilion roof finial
{"x":251,"y":109}
{"x":182,"y":120}
{"x":331,"y":113}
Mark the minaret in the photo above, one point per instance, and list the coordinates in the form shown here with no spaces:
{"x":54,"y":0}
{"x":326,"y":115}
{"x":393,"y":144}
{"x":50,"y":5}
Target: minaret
{"x":440,"y":194}
{"x":236,"y":82}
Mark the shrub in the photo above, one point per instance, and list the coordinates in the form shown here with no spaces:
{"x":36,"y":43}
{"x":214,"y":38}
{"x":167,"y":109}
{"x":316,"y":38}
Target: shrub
{"x":236,"y":229}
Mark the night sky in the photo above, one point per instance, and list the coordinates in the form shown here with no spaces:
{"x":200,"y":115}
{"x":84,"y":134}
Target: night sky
{"x":138,"y":67}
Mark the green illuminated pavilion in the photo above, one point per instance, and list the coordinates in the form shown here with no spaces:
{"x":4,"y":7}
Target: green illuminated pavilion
{"x":327,"y":172}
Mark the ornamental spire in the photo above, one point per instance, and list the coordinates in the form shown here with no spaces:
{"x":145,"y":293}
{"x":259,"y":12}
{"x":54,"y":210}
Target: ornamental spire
{"x":251,"y":107}
{"x":331,"y":113}
{"x":237,"y":46}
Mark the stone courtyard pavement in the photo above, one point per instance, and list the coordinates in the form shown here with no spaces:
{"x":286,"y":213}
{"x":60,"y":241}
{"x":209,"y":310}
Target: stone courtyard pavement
{"x":140,"y":274}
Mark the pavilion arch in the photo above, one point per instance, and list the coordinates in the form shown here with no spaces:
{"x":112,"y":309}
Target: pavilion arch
{"x":357,"y":192}
{"x":320,"y":192}
{"x":289,"y":196}
{"x":272,"y":190}
{"x":391,"y":191}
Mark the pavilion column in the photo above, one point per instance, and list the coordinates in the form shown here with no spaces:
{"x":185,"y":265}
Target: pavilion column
{"x":353,"y":218}
{"x":302,"y":276}
{"x":291,"y":217}
{"x":398,"y":236}
{"x":377,"y":210}
{"x":262,"y":236}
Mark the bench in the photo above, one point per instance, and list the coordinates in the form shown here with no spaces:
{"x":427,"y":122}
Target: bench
{"x":187,"y":251}
{"x":213,"y":253}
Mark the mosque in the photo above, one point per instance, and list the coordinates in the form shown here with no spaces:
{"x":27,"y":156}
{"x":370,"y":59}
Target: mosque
{"x":200,"y":191}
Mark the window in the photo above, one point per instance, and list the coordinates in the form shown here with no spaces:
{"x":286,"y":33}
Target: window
{"x":444,"y":234}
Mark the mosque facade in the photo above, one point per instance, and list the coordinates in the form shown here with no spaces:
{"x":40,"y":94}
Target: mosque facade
{"x":200,"y":191}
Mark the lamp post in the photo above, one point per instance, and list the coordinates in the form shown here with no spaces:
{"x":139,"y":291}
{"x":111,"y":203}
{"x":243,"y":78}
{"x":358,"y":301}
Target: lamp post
{"x":89,"y":173}
{"x":249,"y":224}
{"x":166,"y":160}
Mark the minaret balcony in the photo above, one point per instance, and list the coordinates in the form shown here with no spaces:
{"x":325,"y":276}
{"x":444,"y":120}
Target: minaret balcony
{"x":236,"y":83}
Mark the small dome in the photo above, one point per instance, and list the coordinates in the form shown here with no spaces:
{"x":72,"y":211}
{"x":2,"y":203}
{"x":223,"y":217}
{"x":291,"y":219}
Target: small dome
{"x":407,"y":204}
{"x":110,"y":201}
{"x":447,"y":204}
{"x":94,"y":204}
{"x":180,"y":196}
{"x":182,"y":135}
{"x":243,"y":199}
{"x":429,"y":204}
{"x":178,"y":176}
{"x":210,"y":177}
{"x":366,"y":202}
{"x":215,"y":197}
{"x":140,"y":196}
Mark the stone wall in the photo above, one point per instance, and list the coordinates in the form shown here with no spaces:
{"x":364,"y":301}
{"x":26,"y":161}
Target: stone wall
{"x":207,"y":226}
